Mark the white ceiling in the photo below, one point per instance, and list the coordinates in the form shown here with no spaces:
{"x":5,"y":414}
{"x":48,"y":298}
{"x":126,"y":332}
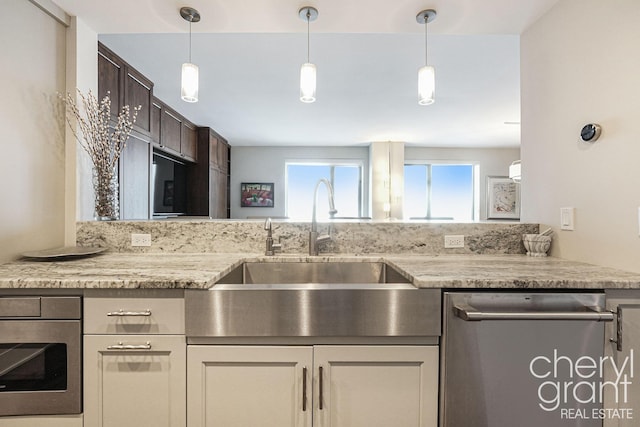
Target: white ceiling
{"x":367,"y":53}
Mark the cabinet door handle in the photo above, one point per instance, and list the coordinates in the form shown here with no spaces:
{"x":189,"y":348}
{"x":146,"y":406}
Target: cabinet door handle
{"x":304,"y":389}
{"x":122,"y":313}
{"x":121,"y":346}
{"x":320,"y":397}
{"x":618,"y":340}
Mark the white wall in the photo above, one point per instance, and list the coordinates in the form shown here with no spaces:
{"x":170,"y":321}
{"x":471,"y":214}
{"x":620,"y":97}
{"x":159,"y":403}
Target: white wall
{"x":579,"y":65}
{"x":492,"y":162}
{"x":32,"y":164}
{"x":82,"y":73}
{"x":267,"y":164}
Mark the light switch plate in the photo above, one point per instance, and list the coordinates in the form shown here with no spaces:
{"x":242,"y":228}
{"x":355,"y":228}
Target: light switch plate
{"x":567,"y":218}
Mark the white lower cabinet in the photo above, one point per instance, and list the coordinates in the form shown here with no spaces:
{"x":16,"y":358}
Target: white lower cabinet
{"x":248,"y":386}
{"x":622,"y":346}
{"x":305,"y":386}
{"x":134,"y":381}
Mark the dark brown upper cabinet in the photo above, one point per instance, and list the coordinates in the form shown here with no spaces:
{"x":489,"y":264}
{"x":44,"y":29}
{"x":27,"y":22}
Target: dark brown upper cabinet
{"x":176,"y":135}
{"x":208,"y":191}
{"x":189,"y":141}
{"x":111,"y":71}
{"x":138,"y":91}
{"x":203,"y":152}
{"x":126,"y":86}
{"x":156,"y":114}
{"x":170,"y":130}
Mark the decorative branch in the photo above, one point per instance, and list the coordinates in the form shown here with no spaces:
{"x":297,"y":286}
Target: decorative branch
{"x":103,"y":146}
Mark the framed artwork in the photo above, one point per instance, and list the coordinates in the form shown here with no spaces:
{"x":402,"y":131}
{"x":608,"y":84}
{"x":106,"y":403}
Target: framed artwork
{"x":256,"y":194}
{"x":503,"y":198}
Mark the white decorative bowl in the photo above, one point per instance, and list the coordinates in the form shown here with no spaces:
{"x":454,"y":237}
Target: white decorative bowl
{"x":536,"y":245}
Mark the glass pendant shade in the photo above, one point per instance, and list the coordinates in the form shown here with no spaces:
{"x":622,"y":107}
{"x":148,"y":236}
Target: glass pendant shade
{"x":308,"y":82}
{"x":426,"y":85}
{"x":189,"y":92}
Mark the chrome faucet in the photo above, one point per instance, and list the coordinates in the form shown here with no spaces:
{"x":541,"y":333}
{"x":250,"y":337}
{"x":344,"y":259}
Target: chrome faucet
{"x":271,"y":247}
{"x":314,"y":238}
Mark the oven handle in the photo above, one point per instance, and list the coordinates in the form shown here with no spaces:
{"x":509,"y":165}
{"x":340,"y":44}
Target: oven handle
{"x":469,"y":313}
{"x":121,"y":346}
{"x":122,"y":313}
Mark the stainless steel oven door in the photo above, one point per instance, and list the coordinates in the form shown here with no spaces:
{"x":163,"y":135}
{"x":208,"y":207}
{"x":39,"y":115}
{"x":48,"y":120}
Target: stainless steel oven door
{"x":40,"y":367}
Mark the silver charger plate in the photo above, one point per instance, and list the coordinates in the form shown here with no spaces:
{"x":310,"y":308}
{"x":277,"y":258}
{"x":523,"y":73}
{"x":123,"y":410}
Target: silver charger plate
{"x":65,"y":252}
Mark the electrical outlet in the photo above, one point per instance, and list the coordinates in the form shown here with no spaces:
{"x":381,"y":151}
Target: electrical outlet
{"x":140,"y":239}
{"x":454,"y":241}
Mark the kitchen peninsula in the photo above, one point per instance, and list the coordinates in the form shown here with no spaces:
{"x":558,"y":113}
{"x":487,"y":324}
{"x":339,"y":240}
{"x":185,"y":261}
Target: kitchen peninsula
{"x":160,"y":304}
{"x":195,"y":254}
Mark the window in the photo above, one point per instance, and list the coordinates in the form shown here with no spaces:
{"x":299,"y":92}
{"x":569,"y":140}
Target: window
{"x":346,"y":180}
{"x":440,"y":191}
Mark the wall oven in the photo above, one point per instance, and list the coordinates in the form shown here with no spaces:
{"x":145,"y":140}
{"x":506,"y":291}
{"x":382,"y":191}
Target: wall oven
{"x":40,"y":355}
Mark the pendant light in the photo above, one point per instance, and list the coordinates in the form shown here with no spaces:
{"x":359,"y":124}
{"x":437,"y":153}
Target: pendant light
{"x":189,"y":86}
{"x":426,"y":74}
{"x":308,"y":70}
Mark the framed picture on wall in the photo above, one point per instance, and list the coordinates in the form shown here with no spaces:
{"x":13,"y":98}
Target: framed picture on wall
{"x":503,"y":198}
{"x":256,"y":194}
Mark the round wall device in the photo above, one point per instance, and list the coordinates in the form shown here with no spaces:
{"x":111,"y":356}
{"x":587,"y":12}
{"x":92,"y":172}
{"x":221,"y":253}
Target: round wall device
{"x":590,"y":132}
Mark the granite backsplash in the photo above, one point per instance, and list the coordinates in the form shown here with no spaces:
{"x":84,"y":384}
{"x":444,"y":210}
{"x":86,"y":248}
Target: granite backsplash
{"x":229,"y":236}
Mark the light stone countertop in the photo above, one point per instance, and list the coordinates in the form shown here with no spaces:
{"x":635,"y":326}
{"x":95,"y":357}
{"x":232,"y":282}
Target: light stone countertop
{"x":202,"y":270}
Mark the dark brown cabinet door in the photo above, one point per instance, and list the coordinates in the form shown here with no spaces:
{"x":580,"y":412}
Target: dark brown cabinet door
{"x":217,"y":194}
{"x":138,"y":91}
{"x":209,"y":183}
{"x":222,"y":202}
{"x":110,"y":77}
{"x":188,"y":146}
{"x":213,"y":193}
{"x":156,"y":111}
{"x":171,"y":130}
{"x":223,"y":156}
{"x":213,"y":150}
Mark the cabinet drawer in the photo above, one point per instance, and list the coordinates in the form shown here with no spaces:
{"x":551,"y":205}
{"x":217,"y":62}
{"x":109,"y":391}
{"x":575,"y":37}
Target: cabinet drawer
{"x":134,"y":312}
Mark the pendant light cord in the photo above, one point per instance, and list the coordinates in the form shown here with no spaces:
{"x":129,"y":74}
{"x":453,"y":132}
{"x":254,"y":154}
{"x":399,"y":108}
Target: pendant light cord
{"x":426,"y":62}
{"x":190,"y":42}
{"x":308,"y":17}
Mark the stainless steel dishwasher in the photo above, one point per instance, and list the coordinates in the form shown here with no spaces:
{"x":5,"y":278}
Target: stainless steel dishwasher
{"x":522,"y":359}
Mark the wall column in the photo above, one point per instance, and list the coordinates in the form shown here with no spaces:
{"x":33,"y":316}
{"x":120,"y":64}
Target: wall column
{"x":386,"y":163}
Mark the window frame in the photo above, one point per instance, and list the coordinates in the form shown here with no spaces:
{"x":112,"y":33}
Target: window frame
{"x":475,"y":182}
{"x":331,"y":163}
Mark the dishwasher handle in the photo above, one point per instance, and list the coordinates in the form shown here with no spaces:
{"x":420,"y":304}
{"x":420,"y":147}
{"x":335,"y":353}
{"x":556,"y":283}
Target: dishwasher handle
{"x":469,"y":313}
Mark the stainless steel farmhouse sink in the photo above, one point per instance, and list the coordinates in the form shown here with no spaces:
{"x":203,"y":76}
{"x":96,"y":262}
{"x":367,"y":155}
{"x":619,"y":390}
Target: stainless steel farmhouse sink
{"x":299,"y":273}
{"x":313,"y":299}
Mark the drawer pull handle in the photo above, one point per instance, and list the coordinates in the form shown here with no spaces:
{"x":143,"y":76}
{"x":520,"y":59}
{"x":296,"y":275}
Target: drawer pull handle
{"x":320,"y":389}
{"x":304,"y":389}
{"x":121,"y":346}
{"x":122,"y":313}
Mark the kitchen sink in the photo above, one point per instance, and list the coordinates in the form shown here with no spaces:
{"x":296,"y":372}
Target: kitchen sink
{"x":282,"y":274}
{"x":313,"y":299}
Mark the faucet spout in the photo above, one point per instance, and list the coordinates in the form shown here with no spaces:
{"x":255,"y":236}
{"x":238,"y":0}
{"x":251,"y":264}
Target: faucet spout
{"x":271,"y":247}
{"x":314,"y":238}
